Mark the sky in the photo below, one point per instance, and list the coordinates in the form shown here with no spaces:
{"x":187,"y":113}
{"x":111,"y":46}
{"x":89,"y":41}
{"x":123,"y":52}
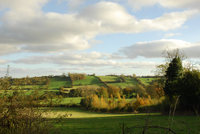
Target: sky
{"x":52,"y":37}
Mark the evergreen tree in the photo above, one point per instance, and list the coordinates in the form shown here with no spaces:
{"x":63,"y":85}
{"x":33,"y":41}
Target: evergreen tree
{"x":173,"y":73}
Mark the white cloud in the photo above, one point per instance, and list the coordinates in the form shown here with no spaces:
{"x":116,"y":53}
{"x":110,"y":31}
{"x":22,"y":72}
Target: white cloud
{"x":187,"y":4}
{"x":73,"y":4}
{"x":2,"y":61}
{"x":168,"y":21}
{"x":154,"y":49}
{"x":113,"y":18}
{"x":193,"y":51}
{"x":192,"y":4}
{"x":21,"y":10}
{"x":93,"y":59}
{"x":25,"y":28}
{"x":8,"y":49}
{"x":137,"y":4}
{"x":171,"y":35}
{"x":23,"y":71}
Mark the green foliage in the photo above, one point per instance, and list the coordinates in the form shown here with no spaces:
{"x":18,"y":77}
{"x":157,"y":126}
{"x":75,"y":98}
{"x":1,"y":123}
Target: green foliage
{"x":189,"y":90}
{"x":103,"y":92}
{"x":183,"y":84}
{"x":155,"y":89}
{"x":175,"y":69}
{"x":128,"y":91}
{"x":113,"y":91}
{"x":20,"y":114}
{"x":5,"y":84}
{"x":122,"y":78}
{"x":82,"y":91}
{"x":140,"y":90}
{"x":43,"y":80}
{"x":173,"y":74}
{"x":76,"y":76}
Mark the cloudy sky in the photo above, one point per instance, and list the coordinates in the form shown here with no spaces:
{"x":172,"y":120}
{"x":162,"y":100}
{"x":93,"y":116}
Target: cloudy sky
{"x":43,"y":37}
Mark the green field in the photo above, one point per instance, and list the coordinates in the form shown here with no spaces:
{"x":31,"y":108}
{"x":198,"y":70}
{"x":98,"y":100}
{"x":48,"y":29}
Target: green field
{"x":57,"y":82}
{"x":28,"y":87}
{"x":85,"y":122}
{"x":147,"y":81}
{"x":129,"y":82}
{"x":70,"y":100}
{"x":109,"y":78}
{"x":92,"y":81}
{"x":89,"y":80}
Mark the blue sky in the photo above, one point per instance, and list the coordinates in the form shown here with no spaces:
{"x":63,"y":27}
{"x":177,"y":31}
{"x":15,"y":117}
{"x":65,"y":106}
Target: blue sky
{"x":51,"y":37}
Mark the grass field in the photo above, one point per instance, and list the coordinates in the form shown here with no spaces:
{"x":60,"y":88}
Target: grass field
{"x":89,"y":80}
{"x":147,"y":81}
{"x":82,"y":113}
{"x":129,"y":82}
{"x":109,"y":78}
{"x":71,"y":100}
{"x":57,"y":82}
{"x":85,"y":122}
{"x":29,"y":87}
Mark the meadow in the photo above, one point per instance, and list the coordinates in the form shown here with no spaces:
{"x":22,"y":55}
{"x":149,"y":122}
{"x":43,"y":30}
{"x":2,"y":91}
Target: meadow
{"x":84,"y":120}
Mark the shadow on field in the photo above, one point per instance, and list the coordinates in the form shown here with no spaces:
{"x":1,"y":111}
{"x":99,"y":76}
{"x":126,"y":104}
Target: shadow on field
{"x":105,"y":123}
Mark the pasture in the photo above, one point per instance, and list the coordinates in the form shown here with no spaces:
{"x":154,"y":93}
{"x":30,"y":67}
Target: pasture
{"x":56,"y":82}
{"x":86,"y":122}
{"x":129,"y":82}
{"x":146,"y":81}
{"x":109,"y":79}
{"x":89,"y":80}
{"x":82,"y":121}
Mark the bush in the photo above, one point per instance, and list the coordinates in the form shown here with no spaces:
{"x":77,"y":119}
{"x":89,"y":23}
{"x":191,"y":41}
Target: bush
{"x":155,"y":90}
{"x":190,"y":90}
{"x":20,"y":115}
{"x":76,"y":76}
{"x":114,"y":91}
{"x":82,"y":91}
{"x":128,"y":92}
{"x":103,"y":92}
{"x":140,"y":90}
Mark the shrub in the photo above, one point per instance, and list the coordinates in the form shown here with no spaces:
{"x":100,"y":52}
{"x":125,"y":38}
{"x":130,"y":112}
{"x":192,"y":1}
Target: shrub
{"x":114,"y":91}
{"x":20,"y":114}
{"x":82,"y":91}
{"x":190,"y":90}
{"x":155,"y":90}
{"x":102,"y":91}
{"x":76,"y":76}
{"x":128,"y":91}
{"x":140,"y":90}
